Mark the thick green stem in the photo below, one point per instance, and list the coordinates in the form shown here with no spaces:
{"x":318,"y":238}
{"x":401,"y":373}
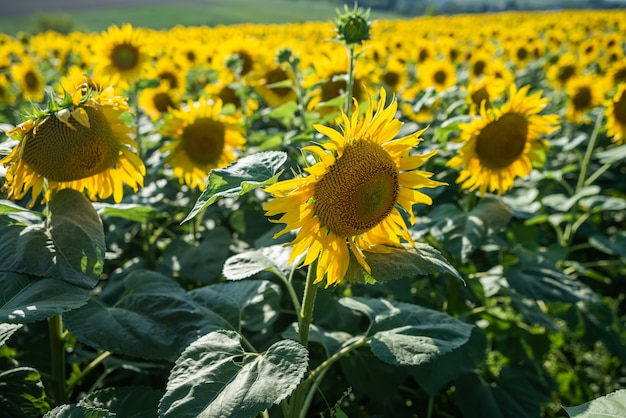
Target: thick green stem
{"x":572,"y":225}
{"x":306,"y":312}
{"x":350,"y":82}
{"x":304,"y":324}
{"x":57,"y":353}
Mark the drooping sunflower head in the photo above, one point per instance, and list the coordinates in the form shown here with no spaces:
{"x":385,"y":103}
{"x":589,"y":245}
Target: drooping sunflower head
{"x":503,"y":143}
{"x":79,"y":142}
{"x":124,"y":52}
{"x":616,"y":116}
{"x":202,"y":138}
{"x":355,"y":194}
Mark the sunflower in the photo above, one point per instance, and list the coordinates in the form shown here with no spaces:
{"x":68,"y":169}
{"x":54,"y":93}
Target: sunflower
{"x":584,"y":93}
{"x":79,"y":143}
{"x":503,"y":143}
{"x":616,"y":116}
{"x":155,"y":102}
{"x":122,"y":51}
{"x":276,"y":85}
{"x":30,"y":79}
{"x":6,"y":93}
{"x":203,"y":138}
{"x":483,"y":91}
{"x":353,"y":198}
{"x":440,"y":74}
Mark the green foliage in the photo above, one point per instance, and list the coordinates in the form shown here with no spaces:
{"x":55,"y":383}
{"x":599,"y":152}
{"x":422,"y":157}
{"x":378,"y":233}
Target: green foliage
{"x":214,"y":377}
{"x":611,"y":405}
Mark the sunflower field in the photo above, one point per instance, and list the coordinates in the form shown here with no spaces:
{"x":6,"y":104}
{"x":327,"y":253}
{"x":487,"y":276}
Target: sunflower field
{"x":358,"y":218}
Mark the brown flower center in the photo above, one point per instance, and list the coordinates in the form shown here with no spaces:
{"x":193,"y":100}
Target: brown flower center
{"x":61,"y":153}
{"x":204,"y":140}
{"x":502,"y":141}
{"x":125,"y":57}
{"x":359,"y":190}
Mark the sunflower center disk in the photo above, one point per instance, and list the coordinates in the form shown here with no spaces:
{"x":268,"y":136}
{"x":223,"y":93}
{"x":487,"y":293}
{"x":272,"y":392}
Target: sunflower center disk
{"x":582,"y":98}
{"x":60,"y":153}
{"x":125,"y":57}
{"x":359,"y":190}
{"x":502,"y":141}
{"x":203,"y":141}
{"x":619,"y":109}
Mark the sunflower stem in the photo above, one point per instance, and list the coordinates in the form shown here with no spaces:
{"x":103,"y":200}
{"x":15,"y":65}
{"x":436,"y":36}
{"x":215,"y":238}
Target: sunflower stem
{"x":57,"y":353}
{"x":304,"y":324}
{"x":572,"y":225}
{"x":350,"y":82}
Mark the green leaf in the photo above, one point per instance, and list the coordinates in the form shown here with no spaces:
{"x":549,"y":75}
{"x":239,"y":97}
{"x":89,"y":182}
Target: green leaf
{"x":539,"y":280}
{"x":131,"y":212}
{"x":240,"y":177}
{"x":7,"y":206}
{"x":462,"y":233}
{"x":69,"y":247}
{"x":254,"y":305}
{"x":612,"y":155}
{"x":274,"y":258}
{"x":155,"y":319}
{"x":22,"y":393}
{"x":214,"y":377}
{"x":203,"y":262}
{"x":612,"y":405}
{"x":610,"y":245}
{"x":74,"y":411}
{"x":562,"y":203}
{"x":26,"y":300}
{"x":408,"y":335}
{"x":127,"y":401}
{"x":436,"y":373}
{"x":399,"y":263}
{"x":516,"y":393}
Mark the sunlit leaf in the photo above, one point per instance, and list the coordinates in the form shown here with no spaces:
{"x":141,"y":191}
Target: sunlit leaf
{"x":400,"y":262}
{"x":406,"y":334}
{"x":612,"y":405}
{"x":131,"y":212}
{"x":215,"y":377}
{"x":74,"y":411}
{"x":242,"y":176}
{"x":241,"y":266}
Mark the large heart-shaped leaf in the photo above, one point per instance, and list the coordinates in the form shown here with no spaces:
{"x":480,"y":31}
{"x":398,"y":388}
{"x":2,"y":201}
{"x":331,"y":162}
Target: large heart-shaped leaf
{"x":215,"y":377}
{"x":69,"y":247}
{"x":403,"y":334}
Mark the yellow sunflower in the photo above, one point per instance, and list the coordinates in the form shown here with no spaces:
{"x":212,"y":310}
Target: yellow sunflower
{"x":275,"y":85}
{"x":352,"y":198}
{"x":203,"y":138}
{"x":616,"y":116}
{"x":79,"y":143}
{"x":122,"y":51}
{"x":439,"y":73}
{"x":6,"y":93}
{"x":503,"y":143}
{"x":584,"y":93}
{"x":30,"y":79}
{"x":155,"y":102}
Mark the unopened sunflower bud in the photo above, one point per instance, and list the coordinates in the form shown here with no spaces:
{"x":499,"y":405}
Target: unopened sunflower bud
{"x":353,"y":26}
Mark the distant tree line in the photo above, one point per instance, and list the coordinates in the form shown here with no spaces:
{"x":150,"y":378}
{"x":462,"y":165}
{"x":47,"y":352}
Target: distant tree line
{"x":421,"y":7}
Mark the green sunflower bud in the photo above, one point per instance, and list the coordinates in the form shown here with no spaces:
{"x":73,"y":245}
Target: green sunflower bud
{"x":353,"y":26}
